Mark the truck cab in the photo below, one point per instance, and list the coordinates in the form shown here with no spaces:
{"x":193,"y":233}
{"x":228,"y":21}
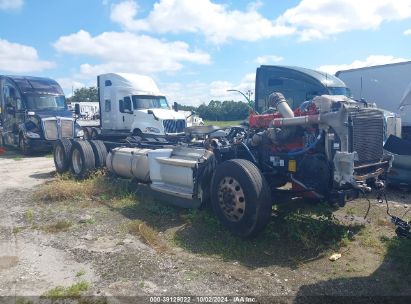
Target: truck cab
{"x":297,"y":84}
{"x":133,"y":104}
{"x":34,"y":113}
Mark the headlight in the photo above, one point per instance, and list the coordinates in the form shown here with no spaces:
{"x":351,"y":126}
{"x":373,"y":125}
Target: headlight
{"x":30,"y":134}
{"x":151,"y":130}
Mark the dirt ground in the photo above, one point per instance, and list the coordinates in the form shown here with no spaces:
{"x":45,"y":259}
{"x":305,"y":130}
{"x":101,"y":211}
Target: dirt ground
{"x":129,"y":245}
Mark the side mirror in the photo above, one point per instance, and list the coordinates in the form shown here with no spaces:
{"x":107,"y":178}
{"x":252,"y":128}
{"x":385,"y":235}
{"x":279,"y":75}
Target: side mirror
{"x":175,"y":106}
{"x":152,"y":113}
{"x":77,"y":109}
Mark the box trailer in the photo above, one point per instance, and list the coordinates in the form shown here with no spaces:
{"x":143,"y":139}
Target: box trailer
{"x":386,"y":85}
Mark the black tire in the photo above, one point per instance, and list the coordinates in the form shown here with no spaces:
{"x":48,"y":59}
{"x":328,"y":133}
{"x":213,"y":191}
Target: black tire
{"x":61,"y":154}
{"x":100,"y":152}
{"x":240,"y":197}
{"x":82,"y":159}
{"x":24,"y":149}
{"x":94,"y":133}
{"x":87,"y":132}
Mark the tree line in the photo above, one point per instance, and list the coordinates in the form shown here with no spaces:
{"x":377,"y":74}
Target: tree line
{"x":215,"y":110}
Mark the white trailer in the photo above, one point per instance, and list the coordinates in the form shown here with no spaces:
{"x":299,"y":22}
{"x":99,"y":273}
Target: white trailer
{"x":88,"y":109}
{"x":133,"y":104}
{"x":387,"y":85}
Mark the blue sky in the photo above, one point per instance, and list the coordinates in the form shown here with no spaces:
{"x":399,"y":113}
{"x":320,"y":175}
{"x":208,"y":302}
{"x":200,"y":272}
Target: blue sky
{"x":197,"y":49}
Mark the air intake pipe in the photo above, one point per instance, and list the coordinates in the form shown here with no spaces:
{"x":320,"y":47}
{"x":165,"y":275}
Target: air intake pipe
{"x":276,"y":99}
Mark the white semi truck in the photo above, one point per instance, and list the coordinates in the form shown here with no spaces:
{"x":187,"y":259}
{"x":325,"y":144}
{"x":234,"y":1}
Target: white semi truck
{"x":388,"y":85}
{"x":132,"y":104}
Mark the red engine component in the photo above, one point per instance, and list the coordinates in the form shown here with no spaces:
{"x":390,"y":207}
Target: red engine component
{"x":263,"y":120}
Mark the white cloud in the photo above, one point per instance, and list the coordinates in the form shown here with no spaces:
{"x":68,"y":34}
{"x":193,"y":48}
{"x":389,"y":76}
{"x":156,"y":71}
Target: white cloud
{"x":369,"y":61}
{"x":196,"y":93}
{"x":70,"y":84}
{"x":215,"y":21}
{"x":316,"y":19}
{"x":11,"y":4}
{"x":309,"y":19}
{"x":407,"y":32}
{"x":268,"y":59}
{"x":19,"y":58}
{"x":127,"y":52}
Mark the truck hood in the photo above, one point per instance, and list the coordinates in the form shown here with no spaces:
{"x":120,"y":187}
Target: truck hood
{"x":52,"y":113}
{"x":164,"y":114}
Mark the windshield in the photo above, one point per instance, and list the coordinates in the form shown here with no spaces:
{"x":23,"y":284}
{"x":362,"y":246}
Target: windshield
{"x":149,"y":102}
{"x":46,"y":102}
{"x":339,"y":91}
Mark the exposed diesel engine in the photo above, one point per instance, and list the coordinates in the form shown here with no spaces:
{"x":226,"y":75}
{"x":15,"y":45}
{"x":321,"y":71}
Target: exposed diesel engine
{"x":330,"y":147}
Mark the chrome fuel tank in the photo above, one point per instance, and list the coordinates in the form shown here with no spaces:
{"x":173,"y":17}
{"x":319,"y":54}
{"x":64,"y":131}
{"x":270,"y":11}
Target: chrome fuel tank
{"x":129,"y":163}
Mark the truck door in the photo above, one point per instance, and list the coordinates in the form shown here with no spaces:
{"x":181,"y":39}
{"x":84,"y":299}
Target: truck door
{"x":13,"y":114}
{"x":126,"y":110}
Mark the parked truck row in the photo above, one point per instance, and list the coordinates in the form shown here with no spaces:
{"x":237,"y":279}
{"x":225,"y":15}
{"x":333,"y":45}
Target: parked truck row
{"x":305,"y":132}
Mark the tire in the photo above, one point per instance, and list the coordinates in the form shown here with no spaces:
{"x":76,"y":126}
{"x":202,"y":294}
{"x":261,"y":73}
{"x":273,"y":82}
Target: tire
{"x":24,"y":149}
{"x":82,"y":159}
{"x":61,"y":154}
{"x":87,"y":133}
{"x":240,"y":197}
{"x":100,"y":153}
{"x":94,"y":133}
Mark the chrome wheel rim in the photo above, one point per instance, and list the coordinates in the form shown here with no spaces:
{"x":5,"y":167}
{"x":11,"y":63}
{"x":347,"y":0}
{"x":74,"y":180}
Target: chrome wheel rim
{"x":231,"y":199}
{"x":77,"y":161}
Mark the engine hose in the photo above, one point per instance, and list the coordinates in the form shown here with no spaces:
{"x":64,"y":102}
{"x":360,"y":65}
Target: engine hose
{"x":249,"y":152}
{"x":311,"y":146}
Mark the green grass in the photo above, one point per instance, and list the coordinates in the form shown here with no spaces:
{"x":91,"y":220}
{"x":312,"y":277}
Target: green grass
{"x":73,"y":291}
{"x":302,"y":233}
{"x":29,"y":215}
{"x":399,"y":252}
{"x":59,"y":226}
{"x":80,"y":273}
{"x":301,"y":230}
{"x":222,"y":124}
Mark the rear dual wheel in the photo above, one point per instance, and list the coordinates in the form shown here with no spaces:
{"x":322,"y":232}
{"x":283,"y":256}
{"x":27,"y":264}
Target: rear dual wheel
{"x":100,"y":153}
{"x":62,"y":154}
{"x":82,"y":159}
{"x":240,"y":197}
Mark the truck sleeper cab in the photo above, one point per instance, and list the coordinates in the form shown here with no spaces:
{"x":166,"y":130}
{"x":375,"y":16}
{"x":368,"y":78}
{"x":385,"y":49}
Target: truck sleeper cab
{"x":296,"y":84}
{"x":34,"y":113}
{"x":133,"y":104}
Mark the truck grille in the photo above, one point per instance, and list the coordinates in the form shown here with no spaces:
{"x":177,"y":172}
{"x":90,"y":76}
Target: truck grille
{"x":58,"y":128}
{"x":368,"y":135}
{"x":174,"y":126}
{"x":67,"y":130}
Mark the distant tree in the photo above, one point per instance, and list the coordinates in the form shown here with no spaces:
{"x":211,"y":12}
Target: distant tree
{"x":223,"y":111}
{"x":84,"y":95}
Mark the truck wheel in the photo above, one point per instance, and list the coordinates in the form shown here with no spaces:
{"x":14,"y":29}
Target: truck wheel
{"x":86,"y":131}
{"x":94,"y":133}
{"x":240,"y":197}
{"x":25,"y":150}
{"x":100,"y":152}
{"x":82,"y":159}
{"x":61,"y":154}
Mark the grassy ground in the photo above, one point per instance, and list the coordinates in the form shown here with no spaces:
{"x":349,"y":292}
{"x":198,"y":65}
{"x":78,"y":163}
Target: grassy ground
{"x":298,"y":233}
